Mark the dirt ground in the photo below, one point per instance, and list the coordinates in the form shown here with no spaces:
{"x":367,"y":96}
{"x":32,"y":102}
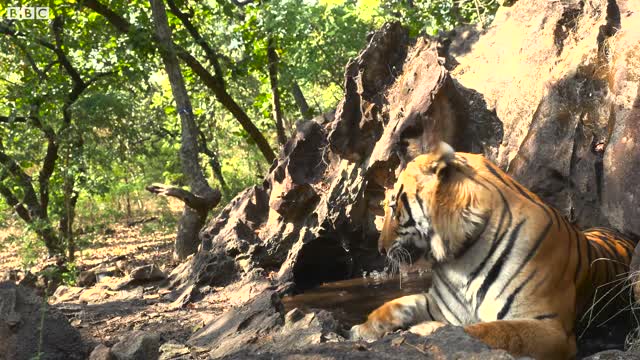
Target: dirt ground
{"x":106,"y":311}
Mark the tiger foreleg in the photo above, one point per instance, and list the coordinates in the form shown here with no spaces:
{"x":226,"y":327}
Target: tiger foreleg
{"x":395,"y":314}
{"x":540,"y":339}
{"x":426,"y":328}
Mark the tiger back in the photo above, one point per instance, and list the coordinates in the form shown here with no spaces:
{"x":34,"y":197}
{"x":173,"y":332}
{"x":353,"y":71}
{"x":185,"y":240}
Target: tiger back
{"x":507,"y":267}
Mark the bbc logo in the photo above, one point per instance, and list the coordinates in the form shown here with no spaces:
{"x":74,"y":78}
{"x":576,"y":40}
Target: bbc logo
{"x":27,"y":13}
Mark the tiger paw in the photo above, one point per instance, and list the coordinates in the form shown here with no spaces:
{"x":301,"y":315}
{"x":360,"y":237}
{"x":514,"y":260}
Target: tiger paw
{"x":364,"y":332}
{"x":426,"y":328}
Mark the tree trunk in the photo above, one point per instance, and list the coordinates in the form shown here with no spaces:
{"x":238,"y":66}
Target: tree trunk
{"x":272,"y":58}
{"x":192,"y":218}
{"x":298,"y":96}
{"x":28,"y":208}
{"x":68,"y":217}
{"x":213,"y":161}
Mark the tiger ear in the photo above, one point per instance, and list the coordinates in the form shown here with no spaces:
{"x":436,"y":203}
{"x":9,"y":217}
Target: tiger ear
{"x":444,"y":155}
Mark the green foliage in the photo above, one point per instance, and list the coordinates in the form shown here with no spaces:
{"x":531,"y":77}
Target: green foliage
{"x":123,"y":132}
{"x":432,"y":16}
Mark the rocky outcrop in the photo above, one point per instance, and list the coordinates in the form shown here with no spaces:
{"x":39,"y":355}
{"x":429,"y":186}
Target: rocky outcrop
{"x":262,"y":330}
{"x":322,"y":196}
{"x":446,"y":343}
{"x":262,"y":326}
{"x":549,"y":92}
{"x":28,"y":330}
{"x":562,"y":77}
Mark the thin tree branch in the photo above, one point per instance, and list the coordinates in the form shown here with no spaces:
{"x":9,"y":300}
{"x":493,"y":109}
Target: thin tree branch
{"x":213,"y":159}
{"x":12,"y":200}
{"x":15,"y":119}
{"x":193,"y":201}
{"x":21,"y":177}
{"x":60,"y":55}
{"x":211,"y":55}
{"x":218,"y":88}
{"x":242,"y":3}
{"x":272,"y":68}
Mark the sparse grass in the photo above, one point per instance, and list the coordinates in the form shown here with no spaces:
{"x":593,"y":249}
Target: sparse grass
{"x":632,"y":342}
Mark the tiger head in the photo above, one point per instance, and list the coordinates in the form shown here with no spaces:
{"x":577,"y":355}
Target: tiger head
{"x":433,"y":209}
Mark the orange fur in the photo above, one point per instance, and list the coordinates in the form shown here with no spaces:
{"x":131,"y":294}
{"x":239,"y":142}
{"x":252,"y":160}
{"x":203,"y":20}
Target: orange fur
{"x":463,"y":198}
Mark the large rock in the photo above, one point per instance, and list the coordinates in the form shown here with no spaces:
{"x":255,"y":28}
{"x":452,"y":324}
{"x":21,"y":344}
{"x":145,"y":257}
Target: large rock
{"x":562,"y":77}
{"x":260,"y":325}
{"x":138,"y":345}
{"x":446,"y":343}
{"x":314,"y":217}
{"x":549,"y":92}
{"x":102,"y":352}
{"x":261,"y":330}
{"x":26,"y":329}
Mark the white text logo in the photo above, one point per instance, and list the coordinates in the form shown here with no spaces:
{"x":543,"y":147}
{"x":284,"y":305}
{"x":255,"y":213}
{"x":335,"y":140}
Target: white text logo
{"x":27,"y":13}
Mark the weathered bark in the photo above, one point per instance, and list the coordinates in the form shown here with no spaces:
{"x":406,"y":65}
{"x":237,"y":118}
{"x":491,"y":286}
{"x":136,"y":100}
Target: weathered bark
{"x":70,"y":197}
{"x":187,"y":197}
{"x":192,"y":217}
{"x":272,"y":58}
{"x":211,"y":81}
{"x":301,"y":101}
{"x":68,"y":217}
{"x":29,"y":208}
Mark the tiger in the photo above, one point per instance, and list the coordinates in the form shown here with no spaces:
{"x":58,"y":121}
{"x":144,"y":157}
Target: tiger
{"x":509,"y":268}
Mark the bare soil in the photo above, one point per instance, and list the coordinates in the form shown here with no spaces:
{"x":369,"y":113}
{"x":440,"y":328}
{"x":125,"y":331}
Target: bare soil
{"x":106,"y":311}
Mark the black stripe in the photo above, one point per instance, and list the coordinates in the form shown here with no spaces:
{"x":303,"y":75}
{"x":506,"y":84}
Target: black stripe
{"x":530,"y":254}
{"x":597,"y":249}
{"x":429,"y":310}
{"x":514,"y":186}
{"x":405,"y":231}
{"x":567,"y":252}
{"x":613,"y":255}
{"x":627,"y":253}
{"x":608,"y":266}
{"x":507,"y":304}
{"x":405,"y":201}
{"x":594,"y":266}
{"x":605,"y":252}
{"x":497,"y":238}
{"x":555,"y":214}
{"x":442,"y":303}
{"x":539,"y":283}
{"x":421,"y":204}
{"x":469,"y":242}
{"x":546,"y":316}
{"x":473,"y":179}
{"x":524,"y":193}
{"x":495,"y":173}
{"x":519,"y":188}
{"x":493,"y":273}
{"x":579,"y":240}
{"x":589,"y":253}
{"x":451,"y":289}
{"x":399,"y":192}
{"x":606,"y":243}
